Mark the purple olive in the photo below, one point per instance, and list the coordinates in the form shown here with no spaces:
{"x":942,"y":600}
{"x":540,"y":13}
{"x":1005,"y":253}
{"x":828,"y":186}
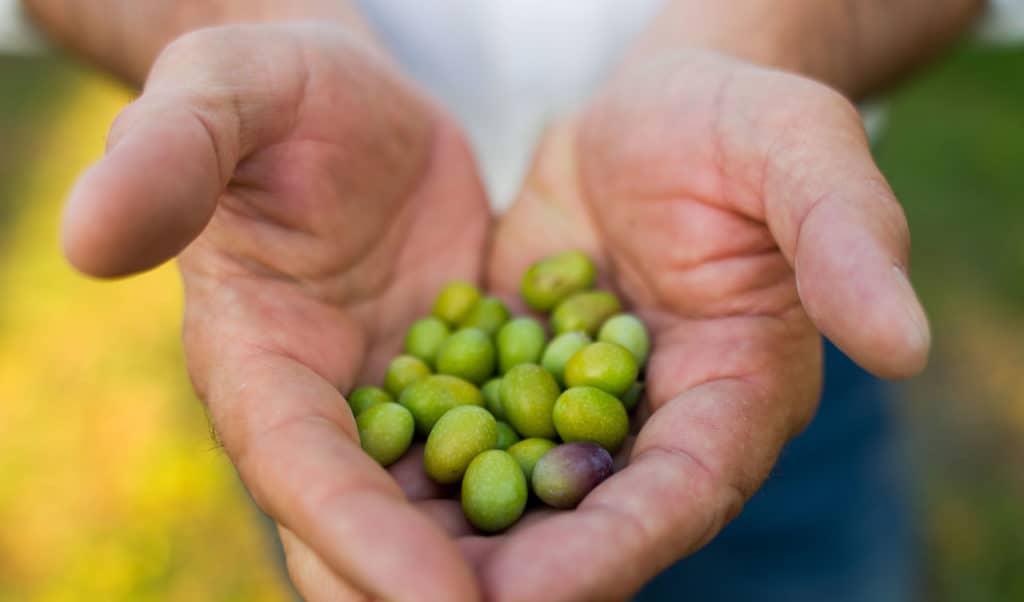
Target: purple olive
{"x":566,"y":474}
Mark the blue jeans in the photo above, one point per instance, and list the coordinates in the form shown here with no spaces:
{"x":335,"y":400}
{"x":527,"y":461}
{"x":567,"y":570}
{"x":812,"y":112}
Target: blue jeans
{"x":831,"y":524}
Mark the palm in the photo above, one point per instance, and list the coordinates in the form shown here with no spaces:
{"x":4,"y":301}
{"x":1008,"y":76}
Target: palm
{"x":668,"y":181}
{"x":344,"y":224}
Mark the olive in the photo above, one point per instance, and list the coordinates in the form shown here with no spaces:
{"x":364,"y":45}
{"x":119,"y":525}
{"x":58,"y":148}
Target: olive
{"x":403,"y":371}
{"x":547,"y":282}
{"x":520,"y":341}
{"x":494,"y":491}
{"x":566,"y":474}
{"x":431,"y":397}
{"x":589,"y":414}
{"x":455,"y":301}
{"x":424,"y":338}
{"x":606,"y":366}
{"x":458,"y":437}
{"x":468,"y":353}
{"x":385,"y":431}
{"x":585,"y":311}
{"x":528,"y":394}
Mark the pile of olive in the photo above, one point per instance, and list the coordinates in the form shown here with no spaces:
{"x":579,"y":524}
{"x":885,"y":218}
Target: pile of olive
{"x":493,"y":395}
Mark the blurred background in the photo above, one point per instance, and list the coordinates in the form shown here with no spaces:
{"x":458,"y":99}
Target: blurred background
{"x":111,"y":487}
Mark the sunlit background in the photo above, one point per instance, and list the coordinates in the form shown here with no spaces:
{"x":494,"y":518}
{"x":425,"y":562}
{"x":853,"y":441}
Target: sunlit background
{"x":111,"y":489}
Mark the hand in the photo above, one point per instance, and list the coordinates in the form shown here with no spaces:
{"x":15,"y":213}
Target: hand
{"x":330,"y":203}
{"x":737,"y":210}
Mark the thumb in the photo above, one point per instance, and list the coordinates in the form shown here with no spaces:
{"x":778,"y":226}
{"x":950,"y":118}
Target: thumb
{"x":842,"y":229}
{"x":170,"y":154}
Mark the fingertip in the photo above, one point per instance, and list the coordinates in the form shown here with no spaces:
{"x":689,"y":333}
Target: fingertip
{"x":100,"y":236}
{"x":143,"y":203}
{"x":906,"y":360}
{"x":77,"y":236}
{"x":867,"y":307}
{"x":906,"y":343}
{"x":850,"y":278}
{"x":918,"y":335}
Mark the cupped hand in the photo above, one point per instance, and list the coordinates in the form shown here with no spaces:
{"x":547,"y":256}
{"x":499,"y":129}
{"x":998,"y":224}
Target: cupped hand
{"x":738,"y":210}
{"x":318,"y":204}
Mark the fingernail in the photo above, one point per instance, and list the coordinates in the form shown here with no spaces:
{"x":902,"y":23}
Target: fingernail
{"x":914,"y":310}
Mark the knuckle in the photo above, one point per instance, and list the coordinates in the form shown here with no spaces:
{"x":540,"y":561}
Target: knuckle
{"x":836,"y":107}
{"x":197,"y":43}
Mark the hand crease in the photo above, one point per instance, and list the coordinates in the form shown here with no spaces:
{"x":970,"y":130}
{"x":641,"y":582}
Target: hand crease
{"x":223,"y":175}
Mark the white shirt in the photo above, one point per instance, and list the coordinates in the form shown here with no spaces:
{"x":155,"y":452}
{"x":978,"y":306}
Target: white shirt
{"x":508,"y":68}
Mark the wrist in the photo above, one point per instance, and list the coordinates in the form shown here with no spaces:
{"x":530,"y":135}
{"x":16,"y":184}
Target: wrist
{"x":855,"y":46}
{"x":124,"y":37}
{"x":787,"y":35}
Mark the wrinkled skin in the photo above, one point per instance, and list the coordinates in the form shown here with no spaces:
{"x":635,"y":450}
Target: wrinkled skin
{"x":333,"y":202}
{"x":737,"y":210}
{"x":330,"y":189}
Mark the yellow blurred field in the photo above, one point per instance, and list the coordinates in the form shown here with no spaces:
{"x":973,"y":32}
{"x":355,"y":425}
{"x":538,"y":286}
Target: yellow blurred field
{"x":110,"y":486}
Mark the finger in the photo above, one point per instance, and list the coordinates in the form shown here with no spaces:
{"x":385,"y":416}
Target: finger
{"x":717,"y":427}
{"x":311,"y":577}
{"x":667,"y":503}
{"x":841,"y":227}
{"x":170,"y":154}
{"x":295,"y":448}
{"x":412,"y":478}
{"x":621,"y":457}
{"x":477,"y":549}
{"x":448,"y":515}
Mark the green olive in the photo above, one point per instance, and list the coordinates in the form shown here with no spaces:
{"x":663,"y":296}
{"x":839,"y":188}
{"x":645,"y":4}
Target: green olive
{"x":550,"y":280}
{"x":520,"y":341}
{"x":431,"y":397}
{"x":585,"y":311}
{"x":507,"y":436}
{"x":425,"y":337}
{"x":528,"y":451}
{"x":628,"y":331}
{"x":468,"y":353}
{"x":459,"y":436}
{"x":606,"y":366}
{"x":560,"y":349}
{"x":489,"y":315}
{"x":455,"y":301}
{"x":528,"y":393}
{"x":494,"y":491}
{"x":385,"y":431}
{"x":492,"y":397}
{"x":366,"y":397}
{"x":403,"y":371}
{"x":589,"y":414}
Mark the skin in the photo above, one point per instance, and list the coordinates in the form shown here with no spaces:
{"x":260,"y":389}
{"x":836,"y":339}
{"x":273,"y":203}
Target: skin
{"x":124,"y":37}
{"x":771,"y":233}
{"x":272,"y":168}
{"x":282,"y":307}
